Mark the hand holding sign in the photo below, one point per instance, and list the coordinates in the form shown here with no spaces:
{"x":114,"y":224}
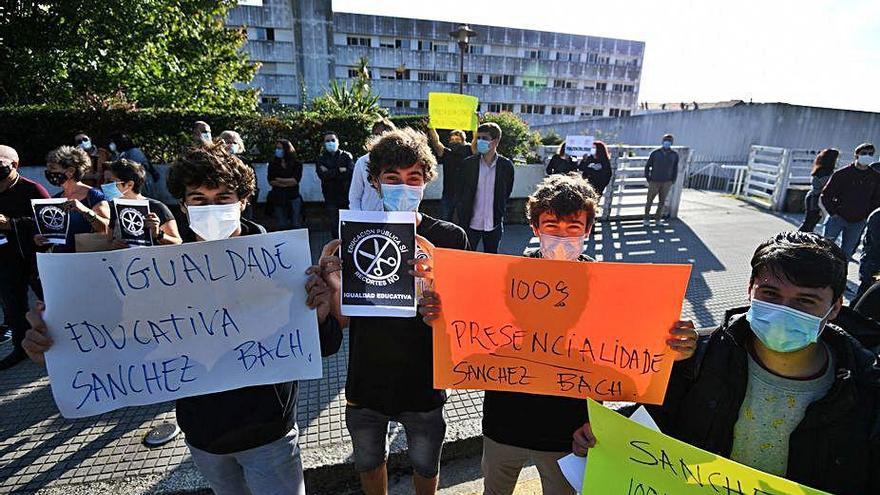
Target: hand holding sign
{"x":554,"y":327}
{"x":53,"y":220}
{"x":133,"y":221}
{"x":634,"y":459}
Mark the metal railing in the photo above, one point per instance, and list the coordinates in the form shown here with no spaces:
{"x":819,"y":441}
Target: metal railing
{"x":627,"y":193}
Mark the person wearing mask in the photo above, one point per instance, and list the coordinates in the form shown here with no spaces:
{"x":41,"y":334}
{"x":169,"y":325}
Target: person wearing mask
{"x":125,"y":179}
{"x":561,"y":211}
{"x":487,"y":182}
{"x":661,"y":171}
{"x":243,"y":440}
{"x":452,"y":158}
{"x":390,"y":375}
{"x":201,"y":133}
{"x":18,"y":269}
{"x":362,"y":195}
{"x":285,"y":174}
{"x":851,"y":194}
{"x":88,"y":209}
{"x":777,"y":387}
{"x":334,"y":168}
{"x":97,"y":157}
{"x":561,"y":162}
{"x":596,"y":167}
{"x":823,"y":167}
{"x":121,"y":146}
{"x":235,"y":145}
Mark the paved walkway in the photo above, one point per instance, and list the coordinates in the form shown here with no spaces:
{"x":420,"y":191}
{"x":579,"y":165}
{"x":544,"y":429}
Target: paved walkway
{"x":41,"y":451}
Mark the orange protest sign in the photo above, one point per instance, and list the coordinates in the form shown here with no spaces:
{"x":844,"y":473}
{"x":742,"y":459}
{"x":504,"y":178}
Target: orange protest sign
{"x":548,"y":327}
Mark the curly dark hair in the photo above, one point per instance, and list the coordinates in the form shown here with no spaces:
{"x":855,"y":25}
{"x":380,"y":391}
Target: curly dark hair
{"x":71,"y":157}
{"x":213,"y":166}
{"x":804,"y":259}
{"x":400,"y":148}
{"x":564,"y":195}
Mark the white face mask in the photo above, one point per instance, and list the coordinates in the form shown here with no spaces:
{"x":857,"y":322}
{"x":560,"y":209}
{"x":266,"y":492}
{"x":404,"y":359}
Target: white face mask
{"x":865,"y":160}
{"x":214,"y":222}
{"x":561,"y":248}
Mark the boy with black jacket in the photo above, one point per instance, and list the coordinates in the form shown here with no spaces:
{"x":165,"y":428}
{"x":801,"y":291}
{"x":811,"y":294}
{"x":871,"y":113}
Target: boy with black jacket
{"x":561,"y":211}
{"x":243,"y":440}
{"x":390,"y":365}
{"x":777,"y":387}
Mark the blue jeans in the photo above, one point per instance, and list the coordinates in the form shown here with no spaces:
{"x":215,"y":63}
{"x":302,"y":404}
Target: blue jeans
{"x":491,"y":239}
{"x":274,"y":468}
{"x":425,"y":432}
{"x":852,"y":233}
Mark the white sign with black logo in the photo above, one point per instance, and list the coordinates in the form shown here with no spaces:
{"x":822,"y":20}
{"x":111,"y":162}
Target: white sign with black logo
{"x":376,"y":250}
{"x":52,"y":219}
{"x":131,"y":221}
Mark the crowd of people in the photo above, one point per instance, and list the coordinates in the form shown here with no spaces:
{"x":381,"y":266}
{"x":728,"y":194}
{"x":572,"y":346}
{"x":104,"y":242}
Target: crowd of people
{"x":789,"y":385}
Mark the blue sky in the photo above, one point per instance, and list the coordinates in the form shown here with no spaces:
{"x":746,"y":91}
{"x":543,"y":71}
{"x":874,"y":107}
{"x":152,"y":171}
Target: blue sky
{"x":810,"y":52}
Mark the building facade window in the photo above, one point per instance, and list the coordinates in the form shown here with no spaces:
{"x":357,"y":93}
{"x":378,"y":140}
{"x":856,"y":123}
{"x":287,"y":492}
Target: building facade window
{"x":475,"y":49}
{"x":534,"y":83}
{"x":357,"y":41}
{"x":402,"y":75}
{"x":386,"y":43}
{"x":568,"y":111}
{"x":402,"y":44}
{"x":592,"y":58}
{"x":603,"y":60}
{"x":432,"y":76}
{"x":422,"y":104}
{"x":563,"y":84}
{"x":534,"y":109}
{"x":425,"y":46}
{"x":600,"y":86}
{"x":538,"y":54}
{"x":625,"y":113}
{"x":614,"y":112}
{"x":401,"y":103}
{"x":440,"y":47}
{"x":501,"y":80}
{"x":598,"y":112}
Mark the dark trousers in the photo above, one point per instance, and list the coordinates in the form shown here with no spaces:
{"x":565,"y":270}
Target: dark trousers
{"x":448,"y":205}
{"x":491,"y":239}
{"x":16,"y":275}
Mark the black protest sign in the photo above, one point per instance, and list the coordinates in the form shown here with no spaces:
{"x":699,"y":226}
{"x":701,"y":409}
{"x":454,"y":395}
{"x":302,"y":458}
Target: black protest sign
{"x":131,"y":221}
{"x":376,"y":249}
{"x":53,"y":220}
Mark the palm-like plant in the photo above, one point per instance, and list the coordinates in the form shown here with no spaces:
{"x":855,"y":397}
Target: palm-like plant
{"x":357,"y":98}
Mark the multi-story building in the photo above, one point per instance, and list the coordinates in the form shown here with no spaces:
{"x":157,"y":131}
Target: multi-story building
{"x":545,"y":77}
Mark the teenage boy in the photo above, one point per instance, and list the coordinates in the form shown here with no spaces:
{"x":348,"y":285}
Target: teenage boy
{"x":561,"y":212}
{"x":390,"y":365}
{"x":777,"y":387}
{"x":487,"y":181}
{"x":242,"y":440}
{"x":334,"y":168}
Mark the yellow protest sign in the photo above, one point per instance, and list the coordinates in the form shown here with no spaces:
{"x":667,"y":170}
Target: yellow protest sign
{"x":452,"y":111}
{"x":631,"y":459}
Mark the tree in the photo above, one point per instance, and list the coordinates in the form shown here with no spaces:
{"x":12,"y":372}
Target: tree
{"x":159,"y":53}
{"x":357,"y":99}
{"x":514,"y":133}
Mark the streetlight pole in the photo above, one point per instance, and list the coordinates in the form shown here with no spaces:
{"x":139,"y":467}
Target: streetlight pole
{"x":463,"y":35}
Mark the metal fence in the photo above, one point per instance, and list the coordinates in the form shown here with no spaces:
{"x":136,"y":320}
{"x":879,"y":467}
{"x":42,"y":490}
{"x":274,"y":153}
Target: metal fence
{"x":772,"y":171}
{"x":627,"y":192}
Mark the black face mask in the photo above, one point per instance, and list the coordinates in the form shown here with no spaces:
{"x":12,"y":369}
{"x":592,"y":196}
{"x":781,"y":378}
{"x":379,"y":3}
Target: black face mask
{"x":56,"y":178}
{"x":5,"y":170}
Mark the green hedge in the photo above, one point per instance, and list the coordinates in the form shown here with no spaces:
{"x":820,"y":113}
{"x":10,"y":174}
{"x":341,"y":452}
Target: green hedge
{"x":33,"y":131}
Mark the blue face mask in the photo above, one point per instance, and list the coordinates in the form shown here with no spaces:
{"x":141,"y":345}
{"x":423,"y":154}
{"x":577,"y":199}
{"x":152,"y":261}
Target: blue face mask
{"x":482,"y":146}
{"x":279,"y":153}
{"x":667,"y":144}
{"x":111,"y":191}
{"x":784,"y":329}
{"x":401,"y":197}
{"x":331,"y":146}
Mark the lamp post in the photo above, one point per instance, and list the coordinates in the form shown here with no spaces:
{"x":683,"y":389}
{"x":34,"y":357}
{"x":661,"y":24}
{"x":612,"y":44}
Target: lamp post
{"x":463,"y":36}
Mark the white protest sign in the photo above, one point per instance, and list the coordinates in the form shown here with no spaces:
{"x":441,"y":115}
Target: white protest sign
{"x":159,"y":323}
{"x":578,"y":145}
{"x":573,"y":467}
